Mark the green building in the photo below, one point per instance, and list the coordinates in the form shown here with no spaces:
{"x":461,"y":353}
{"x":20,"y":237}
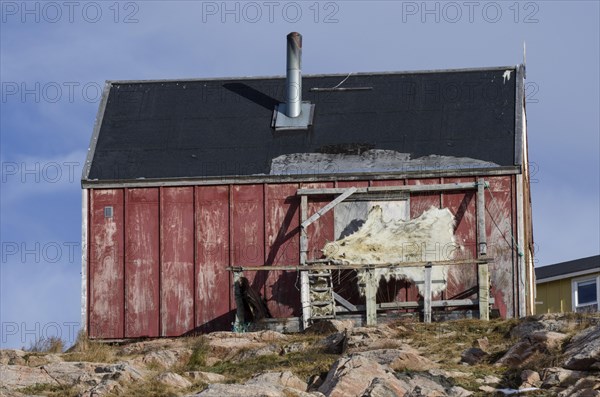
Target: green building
{"x":572,"y":286}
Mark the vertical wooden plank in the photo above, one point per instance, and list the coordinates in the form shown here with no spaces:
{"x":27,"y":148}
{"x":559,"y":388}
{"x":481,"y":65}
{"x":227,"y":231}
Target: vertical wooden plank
{"x":482,"y":269}
{"x":481,"y":233}
{"x":248,"y":232}
{"x":371,"y":299}
{"x":303,"y":232}
{"x":520,"y":247}
{"x":462,"y":280}
{"x":514,"y":251}
{"x":177,"y":260}
{"x":395,"y":290}
{"x":499,"y":225}
{"x":85,"y":218}
{"x":160,"y":266}
{"x":195,"y":263}
{"x":419,"y":203}
{"x":239,"y":302}
{"x":212,"y":250}
{"x":282,"y":248}
{"x":304,"y":282}
{"x":142,"y":263}
{"x":125,"y":211}
{"x":484,"y":291}
{"x":106,"y":248}
{"x":427,"y":295}
{"x":319,"y":232}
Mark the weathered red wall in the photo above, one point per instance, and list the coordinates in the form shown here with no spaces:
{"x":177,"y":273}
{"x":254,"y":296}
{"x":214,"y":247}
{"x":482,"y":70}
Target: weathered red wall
{"x":213,"y":301}
{"x":158,"y":266}
{"x":141,"y":262}
{"x":177,"y":260}
{"x":106,"y":287}
{"x":282,"y":224}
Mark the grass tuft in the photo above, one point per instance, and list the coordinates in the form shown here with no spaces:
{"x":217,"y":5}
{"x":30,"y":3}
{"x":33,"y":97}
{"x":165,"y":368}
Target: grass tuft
{"x":50,"y":390}
{"x":87,"y":350}
{"x":52,"y":344}
{"x":150,"y":388}
{"x":302,"y":365}
{"x":200,"y":350}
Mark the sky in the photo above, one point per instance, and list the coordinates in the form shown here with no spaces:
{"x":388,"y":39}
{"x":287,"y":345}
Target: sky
{"x":56,"y":55}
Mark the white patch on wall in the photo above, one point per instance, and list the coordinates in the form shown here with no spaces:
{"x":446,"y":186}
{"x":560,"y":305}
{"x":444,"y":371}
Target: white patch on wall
{"x":391,"y":238}
{"x":374,"y":160}
{"x":349,"y":216}
{"x":506,"y":76}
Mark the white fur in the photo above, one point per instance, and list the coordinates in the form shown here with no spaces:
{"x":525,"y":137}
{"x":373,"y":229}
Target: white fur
{"x":430,"y":237}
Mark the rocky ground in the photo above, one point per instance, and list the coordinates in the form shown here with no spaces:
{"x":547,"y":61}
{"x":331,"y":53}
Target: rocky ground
{"x":539,"y":356}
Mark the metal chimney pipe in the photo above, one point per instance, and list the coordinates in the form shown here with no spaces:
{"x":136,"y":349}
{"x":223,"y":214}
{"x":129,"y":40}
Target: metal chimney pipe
{"x":294,"y":75}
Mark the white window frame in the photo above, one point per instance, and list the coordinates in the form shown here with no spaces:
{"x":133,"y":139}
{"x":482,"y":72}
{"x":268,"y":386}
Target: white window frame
{"x":575,"y":298}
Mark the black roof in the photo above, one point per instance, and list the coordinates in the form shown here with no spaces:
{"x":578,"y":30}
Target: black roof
{"x":222,"y":127}
{"x":563,"y":268}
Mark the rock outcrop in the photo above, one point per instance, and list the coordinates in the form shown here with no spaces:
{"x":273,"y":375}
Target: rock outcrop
{"x":583,"y":351}
{"x":550,"y":355}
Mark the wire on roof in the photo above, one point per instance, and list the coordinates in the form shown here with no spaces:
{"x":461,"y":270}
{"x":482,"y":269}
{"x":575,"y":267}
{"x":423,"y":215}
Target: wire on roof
{"x":337,"y":87}
{"x":343,"y":81}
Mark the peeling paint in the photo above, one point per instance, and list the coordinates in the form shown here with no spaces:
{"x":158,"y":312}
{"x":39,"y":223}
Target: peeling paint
{"x":213,"y":247}
{"x":106,"y":265}
{"x":374,"y":160}
{"x":259,"y":224}
{"x":177,"y":261}
{"x":282,"y":248}
{"x":142,"y":263}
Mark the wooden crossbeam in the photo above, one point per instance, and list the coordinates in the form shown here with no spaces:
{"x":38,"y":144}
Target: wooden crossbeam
{"x":440,"y":187}
{"x":342,"y":266}
{"x":416,"y":305}
{"x":346,"y":193}
{"x":344,"y":302}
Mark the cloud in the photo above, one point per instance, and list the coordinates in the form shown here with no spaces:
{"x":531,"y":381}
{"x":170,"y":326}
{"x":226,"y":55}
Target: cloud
{"x":25,"y":177}
{"x":40,"y":300}
{"x":179,"y":40}
{"x":566,"y":224}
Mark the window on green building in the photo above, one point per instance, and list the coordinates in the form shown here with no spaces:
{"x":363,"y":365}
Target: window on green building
{"x":585,"y":295}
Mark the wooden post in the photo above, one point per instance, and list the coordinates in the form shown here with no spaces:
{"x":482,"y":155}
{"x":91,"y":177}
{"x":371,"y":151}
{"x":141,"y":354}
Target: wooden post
{"x":239,"y":301}
{"x":303,"y":234}
{"x":484,"y":291}
{"x":521,"y":292}
{"x":481,"y":235}
{"x":482,"y":268}
{"x":304,"y":283}
{"x":371,"y":298}
{"x":427,"y":295}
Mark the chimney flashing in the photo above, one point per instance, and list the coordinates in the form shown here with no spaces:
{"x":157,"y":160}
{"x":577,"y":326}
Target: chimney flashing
{"x":281,"y":121}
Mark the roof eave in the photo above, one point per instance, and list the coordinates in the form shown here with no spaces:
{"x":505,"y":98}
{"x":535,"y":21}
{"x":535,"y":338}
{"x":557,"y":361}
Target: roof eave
{"x":247,"y":179}
{"x":457,"y":70}
{"x":567,"y":275}
{"x":94,"y":139}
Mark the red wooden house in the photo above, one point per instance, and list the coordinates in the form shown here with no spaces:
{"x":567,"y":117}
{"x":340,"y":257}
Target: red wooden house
{"x":186,"y":179}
